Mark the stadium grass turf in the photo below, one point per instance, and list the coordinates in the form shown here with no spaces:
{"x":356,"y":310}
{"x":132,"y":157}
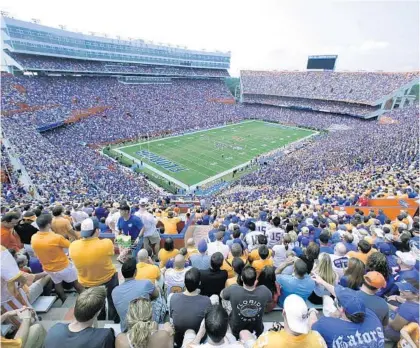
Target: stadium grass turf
{"x":207,"y":153}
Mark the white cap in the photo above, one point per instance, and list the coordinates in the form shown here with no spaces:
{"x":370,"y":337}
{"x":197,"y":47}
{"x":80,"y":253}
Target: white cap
{"x":305,"y":230}
{"x":296,"y":312}
{"x":406,"y":258}
{"x":143,"y":201}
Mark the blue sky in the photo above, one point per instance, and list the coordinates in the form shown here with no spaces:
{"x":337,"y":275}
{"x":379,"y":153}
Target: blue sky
{"x":261,"y":34}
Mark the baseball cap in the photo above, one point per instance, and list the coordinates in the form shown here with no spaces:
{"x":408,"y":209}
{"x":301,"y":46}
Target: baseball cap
{"x":349,"y":300}
{"x":296,"y":312}
{"x":124,"y":206}
{"x":29,"y":215}
{"x":202,"y":246}
{"x":408,"y":286}
{"x":375,"y":279}
{"x":235,"y":220}
{"x":143,"y":201}
{"x":385,"y":249}
{"x":88,"y":227}
{"x":305,"y":241}
{"x":407,"y":258}
{"x":305,"y":230}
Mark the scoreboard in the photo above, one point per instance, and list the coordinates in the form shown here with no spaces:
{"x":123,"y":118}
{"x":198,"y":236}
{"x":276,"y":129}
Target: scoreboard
{"x":321,"y":62}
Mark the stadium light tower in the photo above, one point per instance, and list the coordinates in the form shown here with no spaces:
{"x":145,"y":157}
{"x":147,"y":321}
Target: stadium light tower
{"x":62,"y":27}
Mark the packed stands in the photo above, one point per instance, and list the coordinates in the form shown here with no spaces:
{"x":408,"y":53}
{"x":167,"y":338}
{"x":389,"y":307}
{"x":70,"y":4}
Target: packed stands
{"x":52,"y":64}
{"x":352,"y":87}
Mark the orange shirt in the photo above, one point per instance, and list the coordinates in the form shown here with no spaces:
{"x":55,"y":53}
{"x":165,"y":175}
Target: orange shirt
{"x":92,"y":258}
{"x":359,"y":255}
{"x":170,"y":225}
{"x":227,"y":266}
{"x":253,"y":256}
{"x":164,"y":256}
{"x":61,"y":225}
{"x":9,"y":239}
{"x":413,"y":330}
{"x":10,"y":343}
{"x":146,"y":271}
{"x":48,"y":247}
{"x":260,"y":264}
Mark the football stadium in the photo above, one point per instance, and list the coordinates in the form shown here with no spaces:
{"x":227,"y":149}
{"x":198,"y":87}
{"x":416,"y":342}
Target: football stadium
{"x":154,"y":198}
{"x":213,"y":153}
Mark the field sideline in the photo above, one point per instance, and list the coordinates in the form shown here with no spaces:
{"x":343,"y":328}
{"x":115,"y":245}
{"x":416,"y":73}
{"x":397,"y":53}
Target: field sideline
{"x":203,"y":156}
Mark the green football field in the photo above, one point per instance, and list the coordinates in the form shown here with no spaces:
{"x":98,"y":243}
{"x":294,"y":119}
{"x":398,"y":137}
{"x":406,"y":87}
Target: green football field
{"x":203,"y":156}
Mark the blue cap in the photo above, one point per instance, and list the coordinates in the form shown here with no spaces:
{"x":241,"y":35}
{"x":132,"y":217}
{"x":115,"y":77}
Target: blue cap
{"x":202,"y":246}
{"x":384,"y":248}
{"x":336,"y":237}
{"x":263,"y":216}
{"x":349,"y":300}
{"x":305,"y":241}
{"x":235,"y":220}
{"x":407,"y":286}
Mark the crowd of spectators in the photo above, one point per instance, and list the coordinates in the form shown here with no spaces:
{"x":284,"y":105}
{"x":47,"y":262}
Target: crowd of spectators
{"x":329,"y":277}
{"x":45,"y":63}
{"x":313,"y":104}
{"x":353,"y":87}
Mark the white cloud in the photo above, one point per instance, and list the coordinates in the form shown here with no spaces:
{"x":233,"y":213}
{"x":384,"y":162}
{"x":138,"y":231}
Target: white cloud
{"x":371,"y":45}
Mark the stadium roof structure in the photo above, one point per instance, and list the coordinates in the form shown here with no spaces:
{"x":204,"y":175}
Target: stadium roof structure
{"x":367,"y":88}
{"x":35,"y":47}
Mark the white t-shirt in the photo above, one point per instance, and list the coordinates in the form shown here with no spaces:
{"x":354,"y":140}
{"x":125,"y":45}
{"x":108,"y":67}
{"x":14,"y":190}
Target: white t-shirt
{"x":262,"y":226}
{"x":279,"y":254}
{"x":112,"y":220}
{"x":175,"y":278}
{"x":149,"y":222}
{"x":339,"y":263}
{"x":251,"y":239}
{"x":78,"y":216}
{"x":274,"y":235}
{"x":217,"y":246}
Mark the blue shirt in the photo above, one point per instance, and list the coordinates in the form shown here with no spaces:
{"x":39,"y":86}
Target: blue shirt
{"x":341,"y":333}
{"x":344,"y":281}
{"x":131,"y":227}
{"x":291,"y":285}
{"x":326,"y":249}
{"x":200,"y":261}
{"x":350,"y":247}
{"x":128,"y":291}
{"x":212,"y":233}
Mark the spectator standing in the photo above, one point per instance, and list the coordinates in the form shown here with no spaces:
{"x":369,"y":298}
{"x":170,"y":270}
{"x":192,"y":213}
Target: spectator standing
{"x":9,"y":238}
{"x":213,"y":280}
{"x":151,"y":234}
{"x":325,"y":247}
{"x":130,"y":290}
{"x":61,"y":225}
{"x":264,"y":260}
{"x":81,"y":332}
{"x":171,"y":223}
{"x":131,"y":225}
{"x":267,"y":277}
{"x":26,"y":229}
{"x":101,"y":212}
{"x":248,"y":303}
{"x":275,"y":233}
{"x":201,"y":261}
{"x":296,"y":332}
{"x":49,"y":248}
{"x":92,"y":258}
{"x":197,"y":304}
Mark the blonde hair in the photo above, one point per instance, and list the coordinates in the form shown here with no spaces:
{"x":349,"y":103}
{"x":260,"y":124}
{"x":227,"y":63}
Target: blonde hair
{"x":325,"y":270}
{"x":139,"y":322}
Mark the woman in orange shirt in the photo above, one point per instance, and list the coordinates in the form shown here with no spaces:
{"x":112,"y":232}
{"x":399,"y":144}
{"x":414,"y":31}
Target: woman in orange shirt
{"x":167,"y":252}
